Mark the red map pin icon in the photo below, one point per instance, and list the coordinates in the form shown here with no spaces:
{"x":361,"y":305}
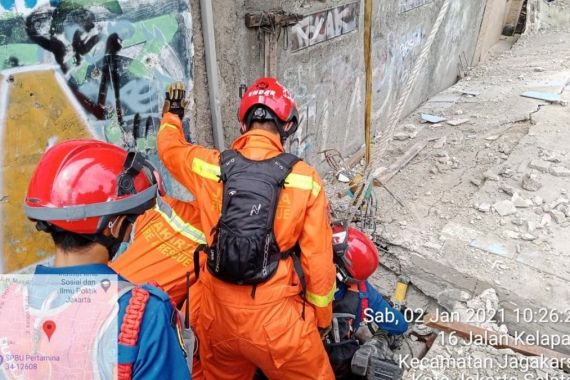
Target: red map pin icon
{"x":49,"y":328}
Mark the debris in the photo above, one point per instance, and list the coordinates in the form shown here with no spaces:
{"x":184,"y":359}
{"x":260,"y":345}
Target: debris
{"x":559,"y":171}
{"x":507,"y":189}
{"x":504,"y":208}
{"x":558,"y":216}
{"x":546,"y":220}
{"x":530,"y":182}
{"x":520,"y":202}
{"x":528,"y":237}
{"x":539,"y":165}
{"x":433,"y":119}
{"x":518,"y":221}
{"x":440,"y":143}
{"x":459,"y":112}
{"x":476,"y":181}
{"x":537,"y":200}
{"x":547,"y":96}
{"x":410,"y":128}
{"x":490,"y":176}
{"x":434,"y":246}
{"x":470,"y":93}
{"x":508,"y":234}
{"x":558,"y":202}
{"x":531,"y":227}
{"x":401,"y":136}
{"x":457,"y":122}
{"x":483,"y":207}
{"x":492,"y":137}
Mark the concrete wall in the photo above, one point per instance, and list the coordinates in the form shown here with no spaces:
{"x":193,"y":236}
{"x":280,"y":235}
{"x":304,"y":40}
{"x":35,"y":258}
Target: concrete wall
{"x":321,"y":61}
{"x":71,"y":69}
{"x":492,"y":27}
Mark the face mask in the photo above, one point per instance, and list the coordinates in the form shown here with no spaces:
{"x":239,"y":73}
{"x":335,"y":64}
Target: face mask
{"x":119,"y":248}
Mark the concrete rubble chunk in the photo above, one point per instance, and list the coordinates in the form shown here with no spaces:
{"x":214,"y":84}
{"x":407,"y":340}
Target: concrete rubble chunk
{"x":490,"y":176}
{"x":559,"y":171}
{"x":507,"y":189}
{"x":508,"y":234}
{"x":528,"y":237}
{"x":530,"y":182}
{"x":558,"y":216}
{"x":457,"y":122}
{"x":483,"y":207}
{"x":546,"y":220}
{"x":537,"y":200}
{"x":520,"y":202}
{"x":401,"y":136}
{"x":558,"y":202}
{"x":531,"y":227}
{"x":410,"y":128}
{"x":541,"y":166}
{"x":518,"y":221}
{"x":505,"y":208}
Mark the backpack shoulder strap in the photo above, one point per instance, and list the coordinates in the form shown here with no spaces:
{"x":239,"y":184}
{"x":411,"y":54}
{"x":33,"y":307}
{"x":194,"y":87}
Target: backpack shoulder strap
{"x":226,"y":158}
{"x":287,"y":161}
{"x":363,"y":294}
{"x":129,"y":331}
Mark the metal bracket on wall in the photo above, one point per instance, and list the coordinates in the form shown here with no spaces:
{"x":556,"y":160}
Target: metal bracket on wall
{"x":269,"y":25}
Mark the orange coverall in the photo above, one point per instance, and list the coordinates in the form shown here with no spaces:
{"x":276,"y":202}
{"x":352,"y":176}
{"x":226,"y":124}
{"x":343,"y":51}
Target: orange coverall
{"x":162,"y":250}
{"x":237,"y":332}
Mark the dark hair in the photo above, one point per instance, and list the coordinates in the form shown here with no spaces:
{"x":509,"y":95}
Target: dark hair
{"x":69,"y":241}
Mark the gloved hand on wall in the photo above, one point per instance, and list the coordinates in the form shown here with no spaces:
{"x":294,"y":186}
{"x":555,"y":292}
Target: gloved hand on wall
{"x":175,"y":101}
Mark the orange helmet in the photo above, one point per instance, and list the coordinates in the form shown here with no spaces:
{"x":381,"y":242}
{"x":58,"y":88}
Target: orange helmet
{"x":79,"y":185}
{"x":355,"y":254}
{"x":267,"y":99}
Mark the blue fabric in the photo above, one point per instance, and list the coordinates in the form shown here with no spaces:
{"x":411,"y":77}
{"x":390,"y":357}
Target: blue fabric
{"x":386,"y":317}
{"x":159,"y":355}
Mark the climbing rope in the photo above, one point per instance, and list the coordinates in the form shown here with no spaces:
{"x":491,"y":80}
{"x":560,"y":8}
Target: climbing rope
{"x":410,"y":79}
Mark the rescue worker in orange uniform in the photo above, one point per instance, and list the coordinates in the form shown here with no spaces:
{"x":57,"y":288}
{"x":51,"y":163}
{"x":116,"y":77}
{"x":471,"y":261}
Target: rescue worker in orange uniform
{"x":265,"y":325}
{"x":161,"y":250}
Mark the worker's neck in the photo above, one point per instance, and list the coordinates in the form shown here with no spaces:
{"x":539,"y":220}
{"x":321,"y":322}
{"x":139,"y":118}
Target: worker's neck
{"x":265,"y":126}
{"x":94,"y":254}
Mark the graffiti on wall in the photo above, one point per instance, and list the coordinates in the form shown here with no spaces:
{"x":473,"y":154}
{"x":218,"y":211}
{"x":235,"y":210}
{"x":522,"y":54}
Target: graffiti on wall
{"x":394,"y":57}
{"x":324,"y":26}
{"x":318,"y":111}
{"x":408,"y":5}
{"x":80,"y":68}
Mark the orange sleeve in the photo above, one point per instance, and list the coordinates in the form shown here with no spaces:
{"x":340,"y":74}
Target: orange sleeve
{"x":188,"y":163}
{"x":316,"y":255}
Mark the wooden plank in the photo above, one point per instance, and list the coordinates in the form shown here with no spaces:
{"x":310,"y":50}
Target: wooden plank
{"x":492,"y":338}
{"x":385,"y":174}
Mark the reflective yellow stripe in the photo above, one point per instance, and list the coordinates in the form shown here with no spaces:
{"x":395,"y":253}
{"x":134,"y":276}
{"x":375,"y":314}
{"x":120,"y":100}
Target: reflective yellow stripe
{"x":303,"y":182}
{"x":321,"y":301}
{"x":206,"y":170}
{"x":180,"y":226}
{"x":167,"y":125}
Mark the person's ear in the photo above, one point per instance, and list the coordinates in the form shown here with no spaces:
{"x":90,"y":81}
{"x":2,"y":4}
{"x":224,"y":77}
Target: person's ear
{"x":116,"y":224}
{"x":243,"y":128}
{"x":288,"y":126}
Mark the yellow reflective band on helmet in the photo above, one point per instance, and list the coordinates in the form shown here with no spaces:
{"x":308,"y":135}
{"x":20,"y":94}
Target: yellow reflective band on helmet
{"x":180,"y":226}
{"x":206,"y":170}
{"x":321,"y":301}
{"x":303,"y":182}
{"x":167,"y":125}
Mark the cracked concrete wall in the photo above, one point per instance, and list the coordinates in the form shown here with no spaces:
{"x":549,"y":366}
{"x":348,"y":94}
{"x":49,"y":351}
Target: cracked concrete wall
{"x":321,"y":61}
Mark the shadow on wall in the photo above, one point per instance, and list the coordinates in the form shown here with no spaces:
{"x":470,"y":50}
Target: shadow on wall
{"x":80,"y":69}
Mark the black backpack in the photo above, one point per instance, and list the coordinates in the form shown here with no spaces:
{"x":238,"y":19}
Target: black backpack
{"x":244,"y":249}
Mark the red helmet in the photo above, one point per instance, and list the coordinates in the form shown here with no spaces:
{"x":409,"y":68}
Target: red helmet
{"x":79,"y":185}
{"x":267,"y":99}
{"x":355,"y":255}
